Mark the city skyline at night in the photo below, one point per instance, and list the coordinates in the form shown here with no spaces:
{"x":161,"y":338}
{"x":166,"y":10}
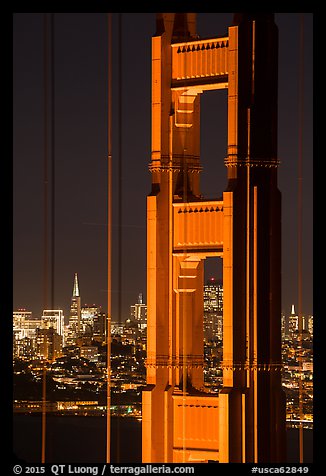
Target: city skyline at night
{"x":213,"y":280}
{"x":28,"y":350}
{"x":67,"y":371}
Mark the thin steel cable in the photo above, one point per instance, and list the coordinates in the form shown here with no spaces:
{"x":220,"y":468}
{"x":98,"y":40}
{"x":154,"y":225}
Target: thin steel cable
{"x":53,"y":171}
{"x":45,"y":163}
{"x":300,"y":179}
{"x":45,"y":219}
{"x":120,"y":168}
{"x":109,"y":240}
{"x":120,"y":212}
{"x":48,"y":45}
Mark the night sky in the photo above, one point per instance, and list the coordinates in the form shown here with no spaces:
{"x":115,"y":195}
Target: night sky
{"x":81,"y":99}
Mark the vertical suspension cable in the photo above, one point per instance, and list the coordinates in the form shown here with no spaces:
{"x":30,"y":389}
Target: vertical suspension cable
{"x":52,"y":264}
{"x":46,"y":39}
{"x":109,"y":238}
{"x":119,"y":200}
{"x":170,"y":277}
{"x":45,"y":163}
{"x":45,"y":220}
{"x":43,"y":442}
{"x":248,"y":281}
{"x":300,"y":323}
{"x":120,"y":172}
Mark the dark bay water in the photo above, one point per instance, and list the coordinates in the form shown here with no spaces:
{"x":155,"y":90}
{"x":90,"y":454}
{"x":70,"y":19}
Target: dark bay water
{"x":76,"y":439}
{"x":82,"y":439}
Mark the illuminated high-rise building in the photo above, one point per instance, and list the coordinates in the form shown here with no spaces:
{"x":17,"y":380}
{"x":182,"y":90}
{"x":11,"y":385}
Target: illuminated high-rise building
{"x":284,"y":326}
{"x":21,"y":315}
{"x":100,"y":327}
{"x":293,"y":322}
{"x":75,"y":310}
{"x":88,"y":314}
{"x":138,"y":313}
{"x":310,"y":325}
{"x":50,"y":337}
{"x":48,"y":343}
{"x":24,"y":332}
{"x":24,"y":324}
{"x":213,"y":296}
{"x":213,"y":310}
{"x":53,"y":318}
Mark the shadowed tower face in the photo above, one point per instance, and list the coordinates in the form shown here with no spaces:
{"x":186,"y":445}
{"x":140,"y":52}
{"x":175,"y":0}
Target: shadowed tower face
{"x":182,"y":421}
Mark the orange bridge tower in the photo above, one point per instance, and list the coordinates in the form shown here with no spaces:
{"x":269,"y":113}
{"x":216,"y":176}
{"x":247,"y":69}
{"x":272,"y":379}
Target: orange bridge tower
{"x":182,"y":421}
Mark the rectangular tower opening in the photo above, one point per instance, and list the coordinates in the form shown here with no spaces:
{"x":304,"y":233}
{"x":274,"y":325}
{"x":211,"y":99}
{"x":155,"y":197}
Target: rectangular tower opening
{"x":213,"y":324}
{"x":213,"y":142}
